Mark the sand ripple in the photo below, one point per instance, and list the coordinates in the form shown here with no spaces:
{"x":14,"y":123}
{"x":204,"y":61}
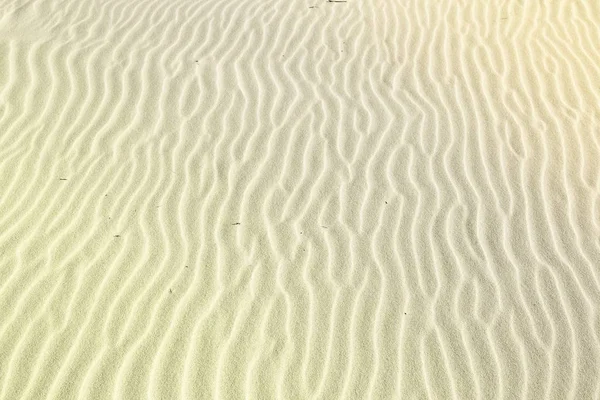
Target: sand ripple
{"x":329,"y":200}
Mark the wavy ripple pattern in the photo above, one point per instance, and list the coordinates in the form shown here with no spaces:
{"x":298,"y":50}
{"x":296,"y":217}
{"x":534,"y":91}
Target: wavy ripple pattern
{"x":299,"y":199}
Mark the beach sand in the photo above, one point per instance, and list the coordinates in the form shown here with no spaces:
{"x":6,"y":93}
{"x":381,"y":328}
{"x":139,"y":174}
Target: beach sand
{"x":299,"y":199}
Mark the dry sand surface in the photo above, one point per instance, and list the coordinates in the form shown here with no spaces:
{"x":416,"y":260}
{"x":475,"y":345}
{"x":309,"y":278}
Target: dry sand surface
{"x":218,"y":199}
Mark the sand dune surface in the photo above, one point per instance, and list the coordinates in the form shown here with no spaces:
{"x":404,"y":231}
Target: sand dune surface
{"x":216,"y":199}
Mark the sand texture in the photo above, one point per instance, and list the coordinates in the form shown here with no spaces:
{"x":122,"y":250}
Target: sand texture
{"x":218,"y":199}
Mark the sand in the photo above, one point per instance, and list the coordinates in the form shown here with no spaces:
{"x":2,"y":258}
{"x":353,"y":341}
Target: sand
{"x":299,"y":199}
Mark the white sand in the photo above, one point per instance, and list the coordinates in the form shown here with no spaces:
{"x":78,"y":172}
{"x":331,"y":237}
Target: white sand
{"x":244,"y":199}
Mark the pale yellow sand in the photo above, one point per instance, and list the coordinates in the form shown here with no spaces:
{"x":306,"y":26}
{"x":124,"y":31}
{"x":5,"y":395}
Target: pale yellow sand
{"x":246,"y":199}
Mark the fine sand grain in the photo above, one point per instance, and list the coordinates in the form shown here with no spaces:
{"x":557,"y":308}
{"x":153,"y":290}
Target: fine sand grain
{"x":218,"y":199}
